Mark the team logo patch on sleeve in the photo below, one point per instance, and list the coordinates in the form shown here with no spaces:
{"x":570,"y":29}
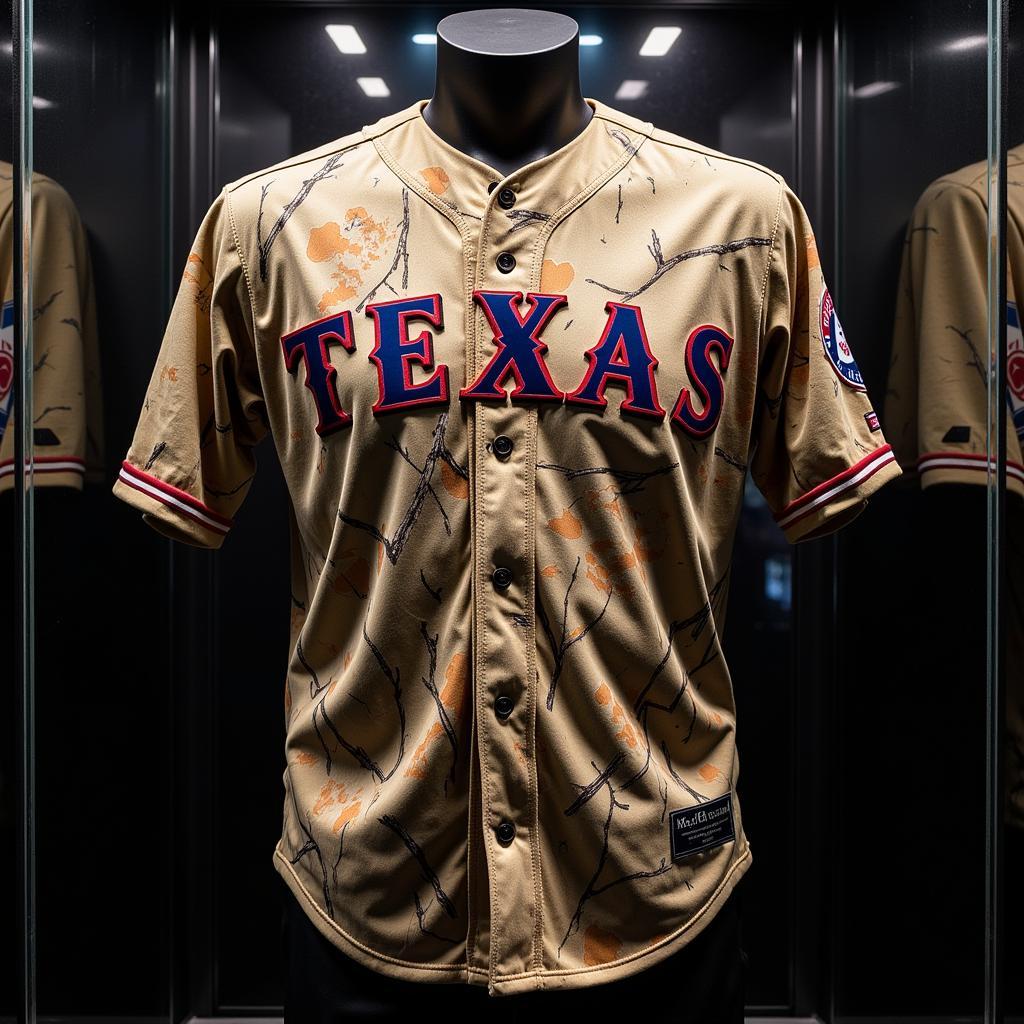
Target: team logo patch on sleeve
{"x":6,"y":362}
{"x":1014,"y":368}
{"x":871,"y":418}
{"x":834,"y":341}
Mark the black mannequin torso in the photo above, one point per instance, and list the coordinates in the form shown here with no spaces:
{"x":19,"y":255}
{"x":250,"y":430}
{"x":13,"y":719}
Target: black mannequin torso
{"x":507,"y":87}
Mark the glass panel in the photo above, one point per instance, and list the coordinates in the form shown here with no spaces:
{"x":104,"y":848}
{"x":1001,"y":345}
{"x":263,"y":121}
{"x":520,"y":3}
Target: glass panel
{"x":103,"y":739}
{"x":16,"y":494}
{"x":914,"y":669}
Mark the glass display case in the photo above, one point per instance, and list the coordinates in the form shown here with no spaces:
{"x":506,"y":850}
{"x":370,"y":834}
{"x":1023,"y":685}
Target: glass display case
{"x":877,"y":669}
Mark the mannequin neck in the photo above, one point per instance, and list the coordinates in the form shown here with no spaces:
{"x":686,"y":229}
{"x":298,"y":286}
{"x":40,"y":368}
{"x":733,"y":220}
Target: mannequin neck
{"x":507,"y":87}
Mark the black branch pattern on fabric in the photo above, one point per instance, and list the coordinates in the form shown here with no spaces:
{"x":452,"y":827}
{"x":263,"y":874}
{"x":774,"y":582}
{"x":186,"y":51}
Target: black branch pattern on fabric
{"x":434,"y":592}
{"x":524,"y":218}
{"x":341,"y":850}
{"x":360,"y":754}
{"x":421,"y":915}
{"x":264,"y":245}
{"x":420,"y":857}
{"x":974,"y":360}
{"x":701,"y":627}
{"x":401,"y":255}
{"x":730,"y":460}
{"x":663,"y":266}
{"x":442,"y":711}
{"x":310,"y":846}
{"x":632,"y":480}
{"x":592,"y":889}
{"x":394,"y":545}
{"x":561,"y":645}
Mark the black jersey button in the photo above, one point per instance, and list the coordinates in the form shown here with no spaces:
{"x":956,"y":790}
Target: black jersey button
{"x":502,"y":577}
{"x":506,"y":198}
{"x":506,"y":831}
{"x":502,"y":446}
{"x":503,"y":706}
{"x":491,"y":187}
{"x":506,"y":262}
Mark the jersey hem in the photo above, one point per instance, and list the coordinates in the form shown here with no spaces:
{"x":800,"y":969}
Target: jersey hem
{"x":510,"y":984}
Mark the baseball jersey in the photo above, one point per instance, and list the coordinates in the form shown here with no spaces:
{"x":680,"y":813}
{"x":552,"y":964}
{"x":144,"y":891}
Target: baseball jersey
{"x":936,"y":402}
{"x":515,"y":414}
{"x":67,"y":412}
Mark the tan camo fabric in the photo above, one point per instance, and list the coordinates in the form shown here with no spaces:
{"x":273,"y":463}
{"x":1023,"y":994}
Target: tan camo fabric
{"x":515,"y":414}
{"x":936,"y":408}
{"x":67,"y":410}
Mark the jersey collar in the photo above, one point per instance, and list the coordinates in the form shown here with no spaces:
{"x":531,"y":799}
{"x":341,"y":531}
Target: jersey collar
{"x":464,"y":184}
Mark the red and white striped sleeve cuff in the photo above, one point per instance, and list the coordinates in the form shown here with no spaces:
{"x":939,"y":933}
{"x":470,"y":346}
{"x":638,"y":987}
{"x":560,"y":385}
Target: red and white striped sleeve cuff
{"x":965,"y":467}
{"x":47,"y":471}
{"x":836,"y":501}
{"x":169,"y":509}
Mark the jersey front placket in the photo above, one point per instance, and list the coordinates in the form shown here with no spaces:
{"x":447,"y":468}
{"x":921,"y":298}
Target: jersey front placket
{"x":523,"y":210}
{"x":503,"y":447}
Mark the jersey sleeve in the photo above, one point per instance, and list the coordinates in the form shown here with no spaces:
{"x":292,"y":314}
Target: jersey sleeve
{"x":191,"y":460}
{"x":67,"y":412}
{"x":819,"y":450}
{"x":936,"y":406}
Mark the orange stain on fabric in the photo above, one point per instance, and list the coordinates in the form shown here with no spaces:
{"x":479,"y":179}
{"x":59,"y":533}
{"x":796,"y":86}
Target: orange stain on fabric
{"x":549,"y":570}
{"x":352,"y":247}
{"x":436,"y":179}
{"x":331,"y":792}
{"x":346,"y":815}
{"x":419,"y":762}
{"x":197,"y":274}
{"x":626,"y":733}
{"x":457,"y":486}
{"x":456,"y":679}
{"x":600,"y":946}
{"x":451,"y":694}
{"x":306,"y":758}
{"x":708,"y":772}
{"x":555,"y":278}
{"x":812,"y":252}
{"x":567,"y":525}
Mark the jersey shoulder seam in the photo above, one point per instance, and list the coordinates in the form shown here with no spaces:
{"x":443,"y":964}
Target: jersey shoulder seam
{"x":768,"y":265}
{"x":679,"y":142}
{"x":244,"y":263}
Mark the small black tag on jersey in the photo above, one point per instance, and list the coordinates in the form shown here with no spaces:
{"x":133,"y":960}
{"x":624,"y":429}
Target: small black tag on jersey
{"x":957,"y":435}
{"x":871,"y":418}
{"x":44,"y":436}
{"x":695,"y":829}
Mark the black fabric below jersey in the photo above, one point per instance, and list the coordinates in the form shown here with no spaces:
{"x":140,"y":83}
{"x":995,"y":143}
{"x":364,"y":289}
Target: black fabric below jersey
{"x":703,"y":983}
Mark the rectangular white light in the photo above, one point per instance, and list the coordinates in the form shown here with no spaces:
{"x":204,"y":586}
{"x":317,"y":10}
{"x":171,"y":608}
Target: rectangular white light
{"x":425,"y":39}
{"x":966,"y":43}
{"x":346,"y":38}
{"x":631,"y":89}
{"x":659,"y":41}
{"x":591,"y":40}
{"x":373,"y":86}
{"x":866,"y":92}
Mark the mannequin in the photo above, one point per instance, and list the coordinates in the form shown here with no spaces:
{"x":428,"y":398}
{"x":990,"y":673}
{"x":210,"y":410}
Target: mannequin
{"x":478,"y":54}
{"x":507,"y":92}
